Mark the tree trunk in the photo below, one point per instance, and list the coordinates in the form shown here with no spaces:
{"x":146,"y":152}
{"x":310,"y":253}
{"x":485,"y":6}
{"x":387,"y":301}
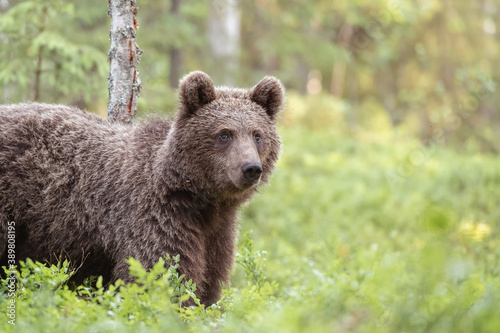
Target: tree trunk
{"x":175,"y":53}
{"x":4,"y":6}
{"x":224,"y":38}
{"x":38,"y":72}
{"x":338,"y":79}
{"x":344,"y":37}
{"x":302,"y":73}
{"x":123,"y":82}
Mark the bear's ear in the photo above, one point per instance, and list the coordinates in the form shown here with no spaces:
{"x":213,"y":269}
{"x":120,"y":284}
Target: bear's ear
{"x":195,"y":90}
{"x":270,"y":94}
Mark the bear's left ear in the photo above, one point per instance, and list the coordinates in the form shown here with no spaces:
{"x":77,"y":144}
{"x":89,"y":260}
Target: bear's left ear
{"x":270,"y":94}
{"x":195,"y":90}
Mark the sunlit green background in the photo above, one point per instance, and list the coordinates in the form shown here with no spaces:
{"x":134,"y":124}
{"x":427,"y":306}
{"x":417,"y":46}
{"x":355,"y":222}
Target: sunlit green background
{"x":384,"y":213}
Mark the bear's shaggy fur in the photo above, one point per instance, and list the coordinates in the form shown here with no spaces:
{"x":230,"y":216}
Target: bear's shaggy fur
{"x":77,"y":185}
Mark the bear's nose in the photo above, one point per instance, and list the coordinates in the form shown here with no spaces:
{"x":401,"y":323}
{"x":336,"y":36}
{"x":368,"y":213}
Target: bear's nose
{"x":251,"y":171}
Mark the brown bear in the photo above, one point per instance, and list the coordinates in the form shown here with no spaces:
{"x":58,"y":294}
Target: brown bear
{"x":99,"y":193}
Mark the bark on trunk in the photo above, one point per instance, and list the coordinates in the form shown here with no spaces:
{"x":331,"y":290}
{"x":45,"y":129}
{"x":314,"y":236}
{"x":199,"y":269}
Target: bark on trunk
{"x":123,"y":82}
{"x":175,"y":53}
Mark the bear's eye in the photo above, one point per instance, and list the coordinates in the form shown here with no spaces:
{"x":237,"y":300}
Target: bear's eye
{"x":258,"y":137}
{"x":224,"y":136}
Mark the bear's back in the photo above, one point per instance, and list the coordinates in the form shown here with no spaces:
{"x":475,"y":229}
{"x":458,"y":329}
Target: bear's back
{"x":37,"y":119}
{"x":54,"y":152}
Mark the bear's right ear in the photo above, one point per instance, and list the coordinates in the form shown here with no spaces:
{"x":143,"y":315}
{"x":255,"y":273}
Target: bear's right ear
{"x":195,"y":90}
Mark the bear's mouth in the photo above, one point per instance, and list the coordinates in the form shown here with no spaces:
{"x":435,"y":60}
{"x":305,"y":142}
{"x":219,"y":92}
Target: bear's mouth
{"x":245,"y":184}
{"x":249,"y":184}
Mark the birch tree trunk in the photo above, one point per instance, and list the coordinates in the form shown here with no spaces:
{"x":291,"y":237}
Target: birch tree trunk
{"x":175,"y":52}
{"x":123,"y":82}
{"x":224,"y":26}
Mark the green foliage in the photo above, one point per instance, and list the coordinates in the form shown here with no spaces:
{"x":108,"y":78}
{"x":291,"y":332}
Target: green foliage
{"x":354,"y":251}
{"x":252,"y":262}
{"x":33,"y":39}
{"x":45,"y":303}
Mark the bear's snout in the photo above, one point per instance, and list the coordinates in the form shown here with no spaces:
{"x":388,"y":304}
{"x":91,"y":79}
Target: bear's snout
{"x":251,"y":171}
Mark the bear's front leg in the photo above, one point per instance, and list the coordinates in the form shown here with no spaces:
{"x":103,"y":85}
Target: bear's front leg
{"x":220,"y":250}
{"x":192,"y":261}
{"x":121,"y":270}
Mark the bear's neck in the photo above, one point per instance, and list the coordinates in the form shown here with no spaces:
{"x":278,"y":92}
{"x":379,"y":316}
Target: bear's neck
{"x":196,"y":211}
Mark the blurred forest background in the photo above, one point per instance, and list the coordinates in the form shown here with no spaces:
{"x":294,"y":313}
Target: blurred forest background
{"x":384,"y":213}
{"x":425,"y":66}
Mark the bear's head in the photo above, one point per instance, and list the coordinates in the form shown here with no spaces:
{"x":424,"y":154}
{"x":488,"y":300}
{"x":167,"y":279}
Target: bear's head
{"x":225,"y":140}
